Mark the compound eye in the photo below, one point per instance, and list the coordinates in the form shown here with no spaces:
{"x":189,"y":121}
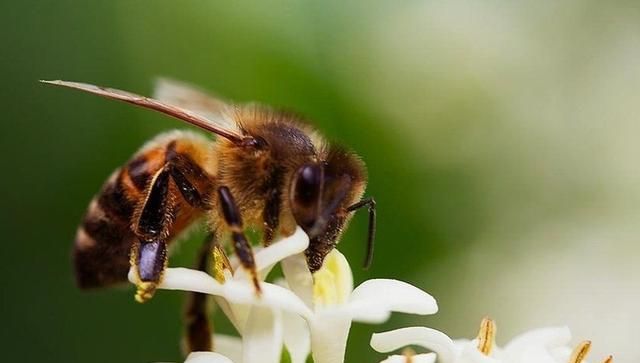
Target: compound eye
{"x":306,"y":194}
{"x":308,"y":183}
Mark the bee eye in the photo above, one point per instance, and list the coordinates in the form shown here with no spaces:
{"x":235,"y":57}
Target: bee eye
{"x":308,"y":183}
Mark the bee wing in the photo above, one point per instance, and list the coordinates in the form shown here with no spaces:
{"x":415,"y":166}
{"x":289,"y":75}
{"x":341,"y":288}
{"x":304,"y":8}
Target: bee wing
{"x":196,"y":100}
{"x":180,"y":113}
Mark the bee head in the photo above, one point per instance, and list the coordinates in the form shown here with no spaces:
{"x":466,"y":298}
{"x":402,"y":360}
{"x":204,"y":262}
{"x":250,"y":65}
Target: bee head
{"x":316,"y":195}
{"x":320,"y":195}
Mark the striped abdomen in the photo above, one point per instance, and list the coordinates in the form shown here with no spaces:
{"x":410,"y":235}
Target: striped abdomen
{"x":104,"y":239}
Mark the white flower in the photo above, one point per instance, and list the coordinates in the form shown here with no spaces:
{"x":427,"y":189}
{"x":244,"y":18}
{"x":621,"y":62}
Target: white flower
{"x":547,"y":345}
{"x":314,"y":312}
{"x":256,"y":317}
{"x":336,"y":303}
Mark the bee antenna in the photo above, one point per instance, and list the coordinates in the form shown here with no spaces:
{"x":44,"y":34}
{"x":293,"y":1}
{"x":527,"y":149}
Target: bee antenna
{"x":371,"y":204}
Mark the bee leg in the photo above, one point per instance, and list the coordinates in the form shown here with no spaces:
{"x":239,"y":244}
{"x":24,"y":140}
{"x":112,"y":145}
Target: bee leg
{"x":198,"y":329}
{"x":153,"y":222}
{"x":151,"y":260}
{"x":152,"y":226}
{"x":156,"y":217}
{"x":241,"y":245}
{"x":371,"y":204}
{"x":194,"y":184}
{"x":271,"y":215}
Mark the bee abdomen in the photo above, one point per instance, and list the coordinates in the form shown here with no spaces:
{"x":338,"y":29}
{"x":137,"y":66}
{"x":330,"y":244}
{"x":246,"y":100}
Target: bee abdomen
{"x":103,"y":240}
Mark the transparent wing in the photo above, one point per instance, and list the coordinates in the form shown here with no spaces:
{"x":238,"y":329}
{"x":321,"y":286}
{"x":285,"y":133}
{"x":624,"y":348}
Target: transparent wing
{"x":196,"y":100}
{"x":180,"y":113}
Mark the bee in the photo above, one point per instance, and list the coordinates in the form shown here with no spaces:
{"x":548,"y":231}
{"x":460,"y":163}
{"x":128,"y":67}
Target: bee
{"x":268,"y":170}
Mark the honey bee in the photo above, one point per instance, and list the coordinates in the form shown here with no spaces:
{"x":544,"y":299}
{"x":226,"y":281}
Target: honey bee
{"x":266,"y":169}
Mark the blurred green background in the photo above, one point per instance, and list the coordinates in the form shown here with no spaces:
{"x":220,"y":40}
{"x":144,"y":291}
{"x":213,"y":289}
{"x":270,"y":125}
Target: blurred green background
{"x":501,"y":142}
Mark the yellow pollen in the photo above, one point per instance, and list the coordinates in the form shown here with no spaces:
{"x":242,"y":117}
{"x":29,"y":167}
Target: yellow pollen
{"x":145,"y":291}
{"x":324,"y":290}
{"x":486,"y":336}
{"x":220,"y":263}
{"x":580,"y":352}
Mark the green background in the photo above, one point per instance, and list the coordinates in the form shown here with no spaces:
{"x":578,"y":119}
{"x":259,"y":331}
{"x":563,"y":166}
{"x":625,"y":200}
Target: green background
{"x":500,"y":142}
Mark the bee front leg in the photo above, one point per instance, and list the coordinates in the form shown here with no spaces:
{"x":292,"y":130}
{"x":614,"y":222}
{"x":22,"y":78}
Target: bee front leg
{"x":271,"y":214}
{"x":241,"y":246}
{"x":152,"y":225}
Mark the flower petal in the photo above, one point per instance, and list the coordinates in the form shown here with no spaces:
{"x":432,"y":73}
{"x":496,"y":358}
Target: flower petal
{"x":296,"y":337}
{"x":333,"y":282}
{"x":471,"y":354}
{"x":207,"y":357}
{"x":272,"y":296}
{"x":561,"y":354}
{"x":537,"y":355}
{"x":262,"y":338}
{"x":238,"y":292}
{"x":417,"y":358}
{"x":296,"y":330}
{"x":375,"y":299}
{"x":536,"y":343}
{"x":229,"y":346}
{"x":428,"y":338}
{"x":299,"y":278}
{"x":329,"y":333}
{"x":268,"y":256}
{"x":234,"y":312}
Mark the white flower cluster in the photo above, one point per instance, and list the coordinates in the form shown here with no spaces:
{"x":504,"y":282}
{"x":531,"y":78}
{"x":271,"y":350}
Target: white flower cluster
{"x":312,"y":314}
{"x":547,"y":345}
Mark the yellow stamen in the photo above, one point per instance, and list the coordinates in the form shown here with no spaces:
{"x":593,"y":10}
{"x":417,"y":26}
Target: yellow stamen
{"x":580,"y":352}
{"x":408,"y":354}
{"x":609,"y":359}
{"x":486,"y":336}
{"x":332,"y":282}
{"x":220,"y":263}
